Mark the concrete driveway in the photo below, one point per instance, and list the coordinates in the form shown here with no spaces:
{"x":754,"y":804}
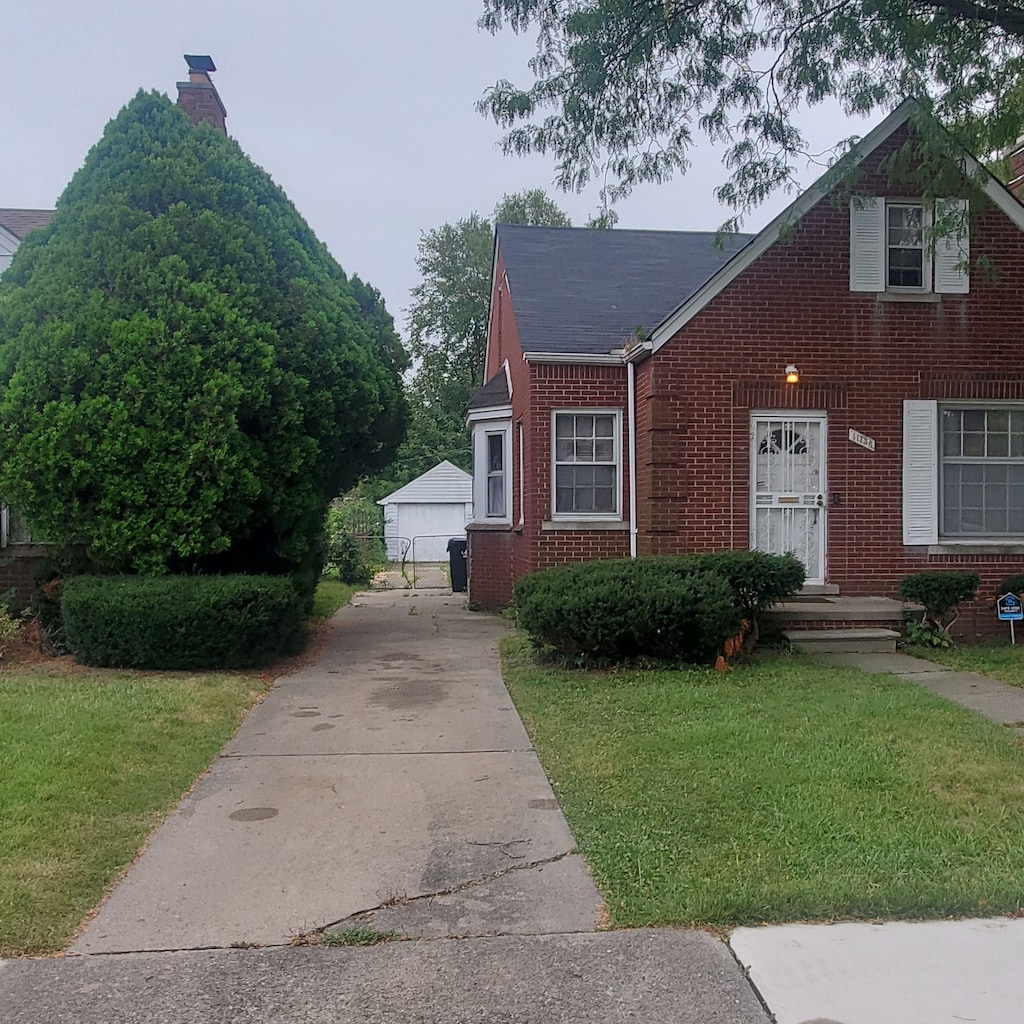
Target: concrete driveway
{"x":391,"y":783}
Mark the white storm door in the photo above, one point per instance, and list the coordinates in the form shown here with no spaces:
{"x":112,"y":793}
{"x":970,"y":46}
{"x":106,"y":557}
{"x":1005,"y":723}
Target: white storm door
{"x":788,"y":488}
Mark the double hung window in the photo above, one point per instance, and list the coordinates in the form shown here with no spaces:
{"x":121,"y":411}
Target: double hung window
{"x":587,"y":464}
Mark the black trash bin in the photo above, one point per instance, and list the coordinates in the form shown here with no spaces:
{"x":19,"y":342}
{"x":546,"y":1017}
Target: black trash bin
{"x":457,"y":564}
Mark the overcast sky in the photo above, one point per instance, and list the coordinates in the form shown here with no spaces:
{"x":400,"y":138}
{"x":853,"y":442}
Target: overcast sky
{"x":362,"y":111}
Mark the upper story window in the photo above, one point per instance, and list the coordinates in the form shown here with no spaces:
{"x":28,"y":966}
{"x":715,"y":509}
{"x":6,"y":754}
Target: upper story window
{"x":906,"y":259}
{"x":587,"y":464}
{"x":891,"y":249}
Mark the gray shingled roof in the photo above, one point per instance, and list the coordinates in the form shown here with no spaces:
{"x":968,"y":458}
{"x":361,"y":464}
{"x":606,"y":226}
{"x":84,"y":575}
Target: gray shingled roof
{"x":579,"y":290}
{"x":493,"y":393}
{"x":20,"y":222}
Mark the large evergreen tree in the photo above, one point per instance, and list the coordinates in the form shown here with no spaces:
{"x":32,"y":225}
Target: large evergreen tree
{"x":186,"y":375}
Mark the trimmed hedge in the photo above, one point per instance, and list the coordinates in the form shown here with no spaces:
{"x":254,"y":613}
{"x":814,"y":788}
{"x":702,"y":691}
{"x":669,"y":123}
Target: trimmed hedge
{"x":620,"y":610}
{"x":181,"y":622}
{"x":1012,"y":585}
{"x":669,"y":607}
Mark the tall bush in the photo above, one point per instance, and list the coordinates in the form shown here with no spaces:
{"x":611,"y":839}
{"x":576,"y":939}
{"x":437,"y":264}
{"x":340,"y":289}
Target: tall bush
{"x":186,"y":375}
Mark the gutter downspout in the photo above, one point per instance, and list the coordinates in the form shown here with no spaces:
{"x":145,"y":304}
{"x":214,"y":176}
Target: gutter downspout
{"x":631,"y":417}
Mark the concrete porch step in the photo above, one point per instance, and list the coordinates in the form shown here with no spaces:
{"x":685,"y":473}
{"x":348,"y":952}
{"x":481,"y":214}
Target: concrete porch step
{"x":843,"y":641}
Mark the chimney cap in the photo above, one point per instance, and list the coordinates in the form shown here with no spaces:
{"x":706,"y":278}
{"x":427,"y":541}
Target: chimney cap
{"x":200,"y":62}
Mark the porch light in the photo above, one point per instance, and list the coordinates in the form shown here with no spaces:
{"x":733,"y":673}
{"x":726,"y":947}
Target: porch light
{"x":792,"y":374}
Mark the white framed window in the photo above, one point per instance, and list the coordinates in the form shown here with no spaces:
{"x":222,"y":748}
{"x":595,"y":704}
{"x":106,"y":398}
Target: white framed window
{"x":963,"y":472}
{"x":891,"y":251}
{"x":497,"y":498}
{"x":492,"y":469}
{"x":982,"y":471}
{"x":906,"y":257}
{"x":587,"y":463}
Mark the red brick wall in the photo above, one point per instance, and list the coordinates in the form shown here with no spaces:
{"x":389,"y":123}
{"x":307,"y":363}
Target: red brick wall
{"x":19,"y":565}
{"x":489,"y":567}
{"x":859,"y":358}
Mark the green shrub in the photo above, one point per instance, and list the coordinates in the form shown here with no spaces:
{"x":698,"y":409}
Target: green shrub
{"x":1012,"y":585}
{"x":758,"y":580}
{"x":181,"y":622}
{"x":941,"y":594}
{"x":355,"y":541}
{"x":612,"y":611}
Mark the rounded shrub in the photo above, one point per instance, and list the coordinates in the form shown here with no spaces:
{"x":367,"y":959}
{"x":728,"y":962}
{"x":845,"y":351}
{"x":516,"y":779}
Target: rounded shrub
{"x":619,"y":610}
{"x":181,"y":622}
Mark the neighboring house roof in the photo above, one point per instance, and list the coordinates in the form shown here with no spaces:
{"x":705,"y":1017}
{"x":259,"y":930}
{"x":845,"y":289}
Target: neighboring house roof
{"x":579,"y":291}
{"x":694,"y":302}
{"x":493,"y":393}
{"x":20,"y":222}
{"x":443,"y":483}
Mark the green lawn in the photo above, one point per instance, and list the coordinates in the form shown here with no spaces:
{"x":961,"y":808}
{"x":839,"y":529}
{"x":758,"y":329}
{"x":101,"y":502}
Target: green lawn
{"x":330,"y":595}
{"x":779,"y":791}
{"x":996,"y":658}
{"x":89,"y":765}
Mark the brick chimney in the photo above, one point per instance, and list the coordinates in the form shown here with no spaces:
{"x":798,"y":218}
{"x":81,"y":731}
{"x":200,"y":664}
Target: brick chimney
{"x":198,"y":96}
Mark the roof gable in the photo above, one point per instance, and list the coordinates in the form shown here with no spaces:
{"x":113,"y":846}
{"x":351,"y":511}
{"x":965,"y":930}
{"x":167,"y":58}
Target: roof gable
{"x":694,"y":303}
{"x":444,"y":483}
{"x":584,"y":291}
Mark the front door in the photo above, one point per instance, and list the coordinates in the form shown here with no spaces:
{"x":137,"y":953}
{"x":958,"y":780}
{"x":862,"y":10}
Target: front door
{"x":788,"y":488}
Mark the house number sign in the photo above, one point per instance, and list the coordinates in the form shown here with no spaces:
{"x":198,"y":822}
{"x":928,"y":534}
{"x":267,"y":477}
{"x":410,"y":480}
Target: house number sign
{"x":863,"y":440}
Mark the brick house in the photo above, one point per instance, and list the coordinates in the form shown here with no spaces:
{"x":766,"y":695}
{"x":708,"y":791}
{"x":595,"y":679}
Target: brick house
{"x":835,"y":386}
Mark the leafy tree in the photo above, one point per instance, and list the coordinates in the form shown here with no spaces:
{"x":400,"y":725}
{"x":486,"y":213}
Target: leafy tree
{"x":186,"y":375}
{"x":448,"y":331}
{"x":623,"y":88}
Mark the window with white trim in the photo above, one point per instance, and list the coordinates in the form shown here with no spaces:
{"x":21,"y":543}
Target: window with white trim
{"x":587,"y":464}
{"x":496,"y":496}
{"x":891,"y":251}
{"x":982,"y":469}
{"x":963,"y":472}
{"x":492,"y":469}
{"x":906,"y":264}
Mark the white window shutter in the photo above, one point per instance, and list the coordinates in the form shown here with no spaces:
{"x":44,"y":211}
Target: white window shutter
{"x":952,"y":251}
{"x":867,"y":245}
{"x":920,"y":472}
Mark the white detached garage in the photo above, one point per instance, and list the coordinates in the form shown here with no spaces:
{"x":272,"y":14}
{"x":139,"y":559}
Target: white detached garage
{"x":421,"y":517}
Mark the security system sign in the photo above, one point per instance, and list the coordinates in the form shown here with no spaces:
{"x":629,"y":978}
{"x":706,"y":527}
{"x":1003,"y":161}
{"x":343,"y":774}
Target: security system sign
{"x":1010,"y":608}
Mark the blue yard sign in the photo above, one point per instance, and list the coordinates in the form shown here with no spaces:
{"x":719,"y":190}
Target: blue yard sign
{"x":1011,"y":609}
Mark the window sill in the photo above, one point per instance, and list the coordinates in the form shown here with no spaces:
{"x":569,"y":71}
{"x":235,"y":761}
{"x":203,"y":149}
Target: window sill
{"x":894,"y":296}
{"x":493,"y":527}
{"x":584,"y":524}
{"x":988,"y":547}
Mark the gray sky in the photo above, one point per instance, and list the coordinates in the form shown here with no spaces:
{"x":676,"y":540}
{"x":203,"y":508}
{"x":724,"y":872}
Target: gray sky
{"x":361,"y":111}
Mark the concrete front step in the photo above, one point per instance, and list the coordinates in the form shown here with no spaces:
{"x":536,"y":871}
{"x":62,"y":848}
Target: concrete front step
{"x":842,"y":641}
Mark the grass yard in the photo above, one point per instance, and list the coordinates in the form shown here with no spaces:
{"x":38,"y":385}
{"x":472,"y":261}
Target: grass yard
{"x":996,"y":658}
{"x":90,"y":763}
{"x":780,"y":791}
{"x":330,"y":595}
